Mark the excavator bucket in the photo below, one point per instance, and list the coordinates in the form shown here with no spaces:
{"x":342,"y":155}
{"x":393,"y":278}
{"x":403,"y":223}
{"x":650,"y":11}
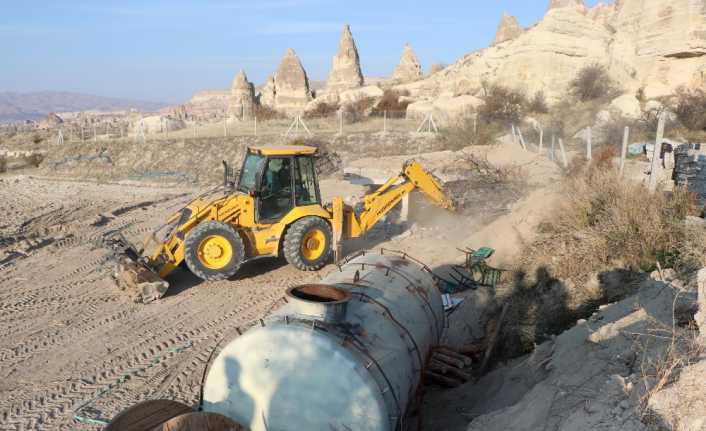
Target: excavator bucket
{"x":132,"y":275}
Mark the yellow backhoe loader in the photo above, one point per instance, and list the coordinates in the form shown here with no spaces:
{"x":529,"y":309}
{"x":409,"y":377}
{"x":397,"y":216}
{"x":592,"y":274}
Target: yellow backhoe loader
{"x":274,"y":209}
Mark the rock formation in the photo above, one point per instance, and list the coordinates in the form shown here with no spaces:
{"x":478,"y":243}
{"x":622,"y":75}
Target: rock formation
{"x":436,"y":67}
{"x":645,"y":44}
{"x":267,"y":92}
{"x":206,"y":104}
{"x":292,"y":91}
{"x":242,"y":97}
{"x":508,"y":29}
{"x":345,"y":72}
{"x":409,"y":69}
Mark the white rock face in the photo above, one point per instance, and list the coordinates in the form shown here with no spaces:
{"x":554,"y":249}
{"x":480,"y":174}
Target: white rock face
{"x":345,"y":73}
{"x":627,"y":105}
{"x":649,"y":44}
{"x":409,"y":69}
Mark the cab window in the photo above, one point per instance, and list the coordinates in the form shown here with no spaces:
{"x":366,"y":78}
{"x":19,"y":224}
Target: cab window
{"x":305,"y":190}
{"x":276,"y":189}
{"x":251,"y":169}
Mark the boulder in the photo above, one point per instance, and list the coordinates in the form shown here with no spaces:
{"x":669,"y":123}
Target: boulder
{"x":242,"y":98}
{"x":359,"y":93}
{"x":409,"y":69}
{"x":345,"y":72}
{"x":628,"y":106}
{"x":508,"y":29}
{"x":445,"y":109}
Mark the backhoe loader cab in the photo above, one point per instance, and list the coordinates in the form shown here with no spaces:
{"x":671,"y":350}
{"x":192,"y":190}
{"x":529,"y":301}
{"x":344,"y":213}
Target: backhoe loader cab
{"x":274,"y":209}
{"x":279,"y":180}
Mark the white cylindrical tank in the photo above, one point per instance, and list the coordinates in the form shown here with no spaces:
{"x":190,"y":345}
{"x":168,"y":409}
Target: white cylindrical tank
{"x":344,"y":354}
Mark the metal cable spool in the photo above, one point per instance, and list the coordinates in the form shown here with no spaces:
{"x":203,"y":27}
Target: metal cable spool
{"x":346,"y":353}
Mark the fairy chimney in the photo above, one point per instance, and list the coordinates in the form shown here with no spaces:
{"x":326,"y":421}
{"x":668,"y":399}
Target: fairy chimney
{"x":292,"y":91}
{"x":508,"y":29}
{"x":241,"y":104}
{"x":409,"y":68}
{"x":345,"y":72}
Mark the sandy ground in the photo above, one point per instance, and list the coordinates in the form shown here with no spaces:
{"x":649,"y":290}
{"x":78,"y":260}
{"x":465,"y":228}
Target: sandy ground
{"x":68,"y":336}
{"x":73,"y":344}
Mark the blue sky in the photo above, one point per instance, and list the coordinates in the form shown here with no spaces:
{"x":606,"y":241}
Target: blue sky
{"x":167,"y":49}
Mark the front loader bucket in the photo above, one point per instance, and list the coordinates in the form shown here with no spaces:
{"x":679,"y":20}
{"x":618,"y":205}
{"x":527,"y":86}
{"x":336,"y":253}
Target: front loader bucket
{"x":141,"y":283}
{"x":131,"y":274}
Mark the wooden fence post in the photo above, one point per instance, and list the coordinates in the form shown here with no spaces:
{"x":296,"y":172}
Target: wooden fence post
{"x":588,"y":145}
{"x":522,"y":140}
{"x":563,"y":153}
{"x":624,"y":151}
{"x":654,"y":171}
{"x":541,"y":138}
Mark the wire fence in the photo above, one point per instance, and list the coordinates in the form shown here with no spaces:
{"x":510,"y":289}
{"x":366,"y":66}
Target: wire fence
{"x":338,"y":124}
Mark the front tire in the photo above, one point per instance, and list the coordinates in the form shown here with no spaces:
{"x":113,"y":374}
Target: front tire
{"x":214,"y":251}
{"x":307,"y":243}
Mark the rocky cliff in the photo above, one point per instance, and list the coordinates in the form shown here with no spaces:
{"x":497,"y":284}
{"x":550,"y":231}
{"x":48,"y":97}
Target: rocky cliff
{"x":649,"y":44}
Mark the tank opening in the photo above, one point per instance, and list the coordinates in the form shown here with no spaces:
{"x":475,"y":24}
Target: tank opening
{"x":319,"y":293}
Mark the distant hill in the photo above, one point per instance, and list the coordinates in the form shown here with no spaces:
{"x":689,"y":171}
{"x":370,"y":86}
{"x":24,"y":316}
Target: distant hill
{"x":31,"y":106}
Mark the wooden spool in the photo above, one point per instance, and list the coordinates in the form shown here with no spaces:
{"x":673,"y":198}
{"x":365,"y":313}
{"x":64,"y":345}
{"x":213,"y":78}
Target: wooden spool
{"x":200,"y":421}
{"x":147,"y":415}
{"x":167,"y":415}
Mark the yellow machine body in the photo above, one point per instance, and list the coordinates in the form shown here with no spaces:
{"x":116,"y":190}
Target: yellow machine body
{"x":261,"y":239}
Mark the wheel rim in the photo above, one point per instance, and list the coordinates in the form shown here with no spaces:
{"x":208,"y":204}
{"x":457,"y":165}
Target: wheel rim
{"x":313,"y":244}
{"x":215,"y":252}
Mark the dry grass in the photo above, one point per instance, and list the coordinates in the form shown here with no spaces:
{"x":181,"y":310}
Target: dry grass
{"x":682,"y":350}
{"x":605,"y":222}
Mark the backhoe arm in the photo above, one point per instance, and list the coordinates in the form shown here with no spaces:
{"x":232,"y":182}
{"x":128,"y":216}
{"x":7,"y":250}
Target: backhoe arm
{"x":379,"y":203}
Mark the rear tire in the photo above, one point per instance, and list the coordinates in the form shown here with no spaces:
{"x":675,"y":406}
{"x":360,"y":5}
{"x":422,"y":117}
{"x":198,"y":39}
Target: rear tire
{"x":307,"y":243}
{"x":214,"y":251}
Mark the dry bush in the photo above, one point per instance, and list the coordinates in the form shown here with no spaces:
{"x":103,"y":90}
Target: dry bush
{"x":35,"y":159}
{"x":466,"y":131}
{"x":36,"y":138}
{"x":390,"y":102}
{"x":322,"y":110}
{"x":3,"y":164}
{"x":358,"y":110}
{"x":502,"y":104}
{"x":538,"y":104}
{"x":690,"y":107}
{"x":593,"y":82}
{"x":605,"y":222}
{"x":265,"y":113}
